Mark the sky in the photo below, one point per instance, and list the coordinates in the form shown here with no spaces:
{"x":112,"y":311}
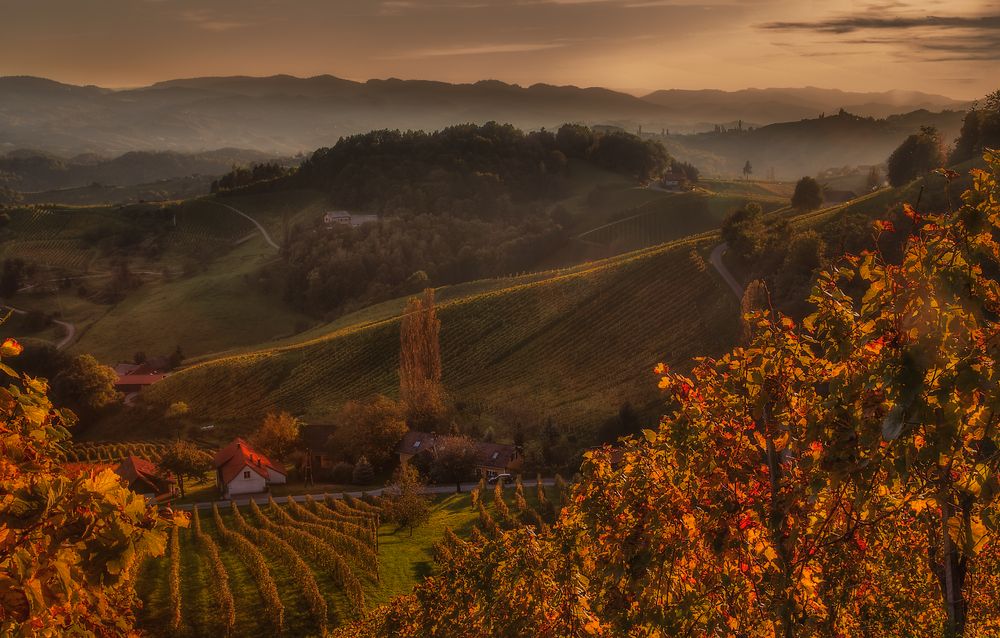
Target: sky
{"x":951,"y":48}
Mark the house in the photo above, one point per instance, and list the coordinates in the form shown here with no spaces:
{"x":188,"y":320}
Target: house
{"x":496,"y":458}
{"x":332,"y":217}
{"x":491,"y":458}
{"x":144,"y":477}
{"x":674,"y":181}
{"x":348,"y":219}
{"x":313,"y":441}
{"x":240,"y":469}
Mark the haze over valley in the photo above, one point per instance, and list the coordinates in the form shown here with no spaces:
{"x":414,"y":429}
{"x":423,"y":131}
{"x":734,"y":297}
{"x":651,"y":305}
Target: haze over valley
{"x":578,"y":318}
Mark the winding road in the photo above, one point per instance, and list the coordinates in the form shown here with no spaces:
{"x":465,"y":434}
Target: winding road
{"x":65,"y":325}
{"x":716,"y":259}
{"x":263,"y":232}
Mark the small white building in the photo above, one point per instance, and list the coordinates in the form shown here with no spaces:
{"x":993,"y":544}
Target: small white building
{"x":332,"y":217}
{"x":239,"y":469}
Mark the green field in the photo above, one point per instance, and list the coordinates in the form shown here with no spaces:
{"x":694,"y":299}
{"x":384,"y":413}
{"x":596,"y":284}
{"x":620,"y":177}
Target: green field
{"x":402,"y":560}
{"x":573,"y":344}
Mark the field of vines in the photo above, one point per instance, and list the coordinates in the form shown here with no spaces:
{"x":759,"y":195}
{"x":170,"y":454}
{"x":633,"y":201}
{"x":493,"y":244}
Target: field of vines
{"x":99,"y":452}
{"x":670,"y":218}
{"x":302,"y":568}
{"x":293,"y":569}
{"x":564,"y":342}
{"x":63,"y":237}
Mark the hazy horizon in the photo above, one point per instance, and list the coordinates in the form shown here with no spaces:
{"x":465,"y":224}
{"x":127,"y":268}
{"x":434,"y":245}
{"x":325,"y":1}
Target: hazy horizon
{"x":633,"y":91}
{"x":633,"y":46}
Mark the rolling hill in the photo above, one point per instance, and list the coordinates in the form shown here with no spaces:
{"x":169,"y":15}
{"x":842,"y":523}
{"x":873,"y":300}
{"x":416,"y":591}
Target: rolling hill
{"x":573,"y":344}
{"x":285,"y":114}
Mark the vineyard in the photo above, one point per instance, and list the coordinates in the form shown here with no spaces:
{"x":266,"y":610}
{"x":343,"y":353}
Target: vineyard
{"x":566,"y":341}
{"x":670,"y":218}
{"x":65,"y":237}
{"x":101,"y":452}
{"x":300,"y":569}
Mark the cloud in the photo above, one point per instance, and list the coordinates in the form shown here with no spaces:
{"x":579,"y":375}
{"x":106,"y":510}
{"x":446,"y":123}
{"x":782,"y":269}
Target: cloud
{"x":210,"y":21}
{"x":478,"y":49}
{"x":923,"y":38}
{"x":850,"y":24}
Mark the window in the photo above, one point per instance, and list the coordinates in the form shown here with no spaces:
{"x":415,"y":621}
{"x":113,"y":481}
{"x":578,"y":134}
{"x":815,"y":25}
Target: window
{"x":416,"y":444}
{"x":491,"y":473}
{"x":246,"y":475}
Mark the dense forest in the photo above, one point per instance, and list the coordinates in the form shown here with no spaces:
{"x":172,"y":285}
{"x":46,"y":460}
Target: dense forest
{"x":454,"y":205}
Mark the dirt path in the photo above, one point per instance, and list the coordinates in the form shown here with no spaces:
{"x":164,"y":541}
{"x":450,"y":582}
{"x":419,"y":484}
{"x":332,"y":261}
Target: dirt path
{"x":65,"y":325}
{"x":263,"y":232}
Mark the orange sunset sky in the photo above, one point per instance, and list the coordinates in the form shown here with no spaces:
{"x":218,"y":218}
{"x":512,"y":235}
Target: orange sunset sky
{"x":951,"y":48}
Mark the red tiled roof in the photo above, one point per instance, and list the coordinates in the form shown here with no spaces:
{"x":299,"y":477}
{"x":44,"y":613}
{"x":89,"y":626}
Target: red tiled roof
{"x":139,"y":379}
{"x":231,"y":459}
{"x":497,"y":455}
{"x":134,"y":469}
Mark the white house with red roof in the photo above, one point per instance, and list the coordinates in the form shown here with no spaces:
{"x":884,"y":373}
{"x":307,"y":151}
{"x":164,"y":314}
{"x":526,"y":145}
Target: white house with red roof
{"x":240,"y":469}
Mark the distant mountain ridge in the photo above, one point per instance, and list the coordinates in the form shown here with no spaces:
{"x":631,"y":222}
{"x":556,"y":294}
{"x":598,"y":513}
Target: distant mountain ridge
{"x":287,"y":114}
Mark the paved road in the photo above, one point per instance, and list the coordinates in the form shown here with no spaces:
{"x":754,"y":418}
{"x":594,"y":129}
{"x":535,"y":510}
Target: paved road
{"x":716,"y":259}
{"x":262,"y":499}
{"x":65,"y":325}
{"x":263,"y":232}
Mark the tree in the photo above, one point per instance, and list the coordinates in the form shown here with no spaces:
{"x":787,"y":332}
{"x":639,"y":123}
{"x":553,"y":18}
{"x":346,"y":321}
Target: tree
{"x":747,"y":170}
{"x":407,"y":507}
{"x":363,"y":472}
{"x":454,"y":460}
{"x":922,"y":341}
{"x":808,"y":194}
{"x":790,"y":481}
{"x":918,"y":155}
{"x":371,"y":429}
{"x":278,"y":435}
{"x":86,"y":386}
{"x":420,"y":388}
{"x":70,"y":543}
{"x":980,"y":130}
{"x":743,"y":230}
{"x":12,"y":277}
{"x":575,"y":140}
{"x":185,"y":460}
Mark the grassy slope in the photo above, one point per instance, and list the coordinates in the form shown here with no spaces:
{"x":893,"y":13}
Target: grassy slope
{"x":573,"y":343}
{"x":211,"y":311}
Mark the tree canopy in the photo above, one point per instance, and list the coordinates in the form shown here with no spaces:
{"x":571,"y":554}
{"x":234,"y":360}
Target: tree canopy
{"x":833,"y":477}
{"x":70,"y":542}
{"x":918,"y":155}
{"x":808,"y":194}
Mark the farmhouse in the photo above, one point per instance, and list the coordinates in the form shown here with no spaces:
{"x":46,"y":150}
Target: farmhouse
{"x":144,"y":477}
{"x":348,"y":219}
{"x":240,"y":469}
{"x":491,"y":458}
{"x":674,"y":181}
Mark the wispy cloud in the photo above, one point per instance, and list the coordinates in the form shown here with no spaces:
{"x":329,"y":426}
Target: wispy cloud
{"x":211,"y":21}
{"x":477,"y":49}
{"x":850,"y":24}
